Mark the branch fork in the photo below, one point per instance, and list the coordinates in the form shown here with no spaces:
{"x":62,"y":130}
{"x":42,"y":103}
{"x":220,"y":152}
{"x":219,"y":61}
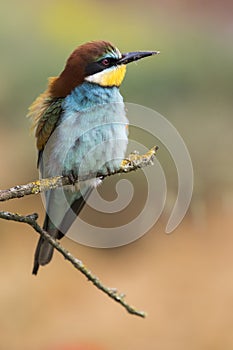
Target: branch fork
{"x":133,"y":162}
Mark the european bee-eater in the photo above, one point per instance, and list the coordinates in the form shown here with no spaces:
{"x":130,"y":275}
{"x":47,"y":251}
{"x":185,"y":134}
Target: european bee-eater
{"x":81,"y":127}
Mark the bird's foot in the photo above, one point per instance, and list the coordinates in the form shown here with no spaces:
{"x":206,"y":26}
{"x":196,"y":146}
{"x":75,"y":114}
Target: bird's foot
{"x":73,"y":178}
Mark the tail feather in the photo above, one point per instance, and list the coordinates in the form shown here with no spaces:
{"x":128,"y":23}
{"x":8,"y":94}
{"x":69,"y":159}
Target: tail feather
{"x":44,"y":250}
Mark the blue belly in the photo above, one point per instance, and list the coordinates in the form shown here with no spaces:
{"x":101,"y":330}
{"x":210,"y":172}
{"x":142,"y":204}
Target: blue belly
{"x":92,"y":134}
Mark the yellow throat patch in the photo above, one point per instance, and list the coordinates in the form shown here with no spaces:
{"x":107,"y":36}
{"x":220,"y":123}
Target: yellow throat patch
{"x":111,"y":77}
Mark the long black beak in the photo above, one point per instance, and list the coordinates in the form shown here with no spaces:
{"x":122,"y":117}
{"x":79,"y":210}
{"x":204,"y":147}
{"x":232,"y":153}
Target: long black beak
{"x":134,"y":56}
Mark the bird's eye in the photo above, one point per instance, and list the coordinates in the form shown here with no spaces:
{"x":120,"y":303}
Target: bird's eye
{"x":106,"y":62}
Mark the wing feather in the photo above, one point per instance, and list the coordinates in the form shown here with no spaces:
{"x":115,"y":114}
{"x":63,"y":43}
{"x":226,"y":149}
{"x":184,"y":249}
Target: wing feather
{"x":45,"y":111}
{"x":48,"y":121}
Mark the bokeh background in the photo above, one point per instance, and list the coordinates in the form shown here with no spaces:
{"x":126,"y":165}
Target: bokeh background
{"x":183,"y":280}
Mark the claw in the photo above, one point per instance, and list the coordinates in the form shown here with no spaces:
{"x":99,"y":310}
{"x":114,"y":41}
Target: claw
{"x":71,"y":176}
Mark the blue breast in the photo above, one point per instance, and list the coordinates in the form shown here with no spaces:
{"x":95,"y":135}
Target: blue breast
{"x":92,"y":134}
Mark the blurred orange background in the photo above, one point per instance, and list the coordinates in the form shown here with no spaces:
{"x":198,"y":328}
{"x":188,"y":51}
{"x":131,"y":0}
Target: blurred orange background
{"x":183,"y":280}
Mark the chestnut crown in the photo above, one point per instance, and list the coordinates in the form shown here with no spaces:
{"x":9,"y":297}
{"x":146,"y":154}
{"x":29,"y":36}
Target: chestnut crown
{"x":98,"y":62}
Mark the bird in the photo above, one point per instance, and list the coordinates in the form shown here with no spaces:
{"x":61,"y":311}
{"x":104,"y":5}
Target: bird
{"x":80,"y":127}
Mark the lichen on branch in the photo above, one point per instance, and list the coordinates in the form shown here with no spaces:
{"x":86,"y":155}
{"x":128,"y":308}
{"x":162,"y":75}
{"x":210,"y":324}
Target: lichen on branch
{"x":133,"y":162}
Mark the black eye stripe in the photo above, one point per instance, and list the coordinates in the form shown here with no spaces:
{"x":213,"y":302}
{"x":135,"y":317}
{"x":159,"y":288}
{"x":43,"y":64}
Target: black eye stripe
{"x":98,"y":66}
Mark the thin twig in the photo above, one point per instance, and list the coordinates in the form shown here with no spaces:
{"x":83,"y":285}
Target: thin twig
{"x":111,"y":292}
{"x":133,"y":162}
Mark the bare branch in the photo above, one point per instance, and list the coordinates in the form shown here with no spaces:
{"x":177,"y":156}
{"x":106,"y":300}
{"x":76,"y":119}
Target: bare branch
{"x":111,"y":292}
{"x":133,"y":162}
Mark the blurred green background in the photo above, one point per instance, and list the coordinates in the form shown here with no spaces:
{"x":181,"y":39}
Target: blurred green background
{"x":184,"y":280}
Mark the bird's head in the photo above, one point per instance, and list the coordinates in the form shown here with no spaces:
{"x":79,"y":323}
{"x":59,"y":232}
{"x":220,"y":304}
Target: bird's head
{"x":97,"y":62}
